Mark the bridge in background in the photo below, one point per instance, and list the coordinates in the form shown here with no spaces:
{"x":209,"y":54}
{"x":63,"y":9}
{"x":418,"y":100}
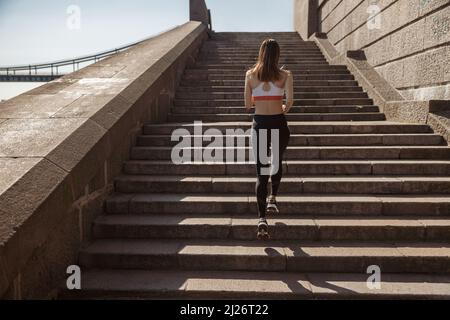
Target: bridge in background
{"x":46,"y":72}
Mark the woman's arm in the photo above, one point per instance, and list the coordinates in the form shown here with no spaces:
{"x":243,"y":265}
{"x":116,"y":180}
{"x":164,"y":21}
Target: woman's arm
{"x":289,"y":91}
{"x":248,"y":92}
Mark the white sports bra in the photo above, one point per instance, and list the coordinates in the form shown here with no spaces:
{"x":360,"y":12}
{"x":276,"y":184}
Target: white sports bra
{"x":275,"y":92}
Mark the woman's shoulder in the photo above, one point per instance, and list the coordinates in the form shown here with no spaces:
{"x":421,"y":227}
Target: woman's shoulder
{"x":285,"y":72}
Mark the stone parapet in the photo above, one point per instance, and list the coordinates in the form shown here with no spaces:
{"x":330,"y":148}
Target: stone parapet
{"x":377,"y":87}
{"x":435,"y":113}
{"x":306,"y":17}
{"x":394,"y":105}
{"x":61,"y":146}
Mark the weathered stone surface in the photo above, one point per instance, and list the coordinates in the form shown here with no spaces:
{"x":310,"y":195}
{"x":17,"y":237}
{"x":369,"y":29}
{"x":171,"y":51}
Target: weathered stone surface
{"x":376,"y":86}
{"x":395,"y":107}
{"x":34,"y":137}
{"x":440,"y":121}
{"x":31,"y":208}
{"x":12,"y":169}
{"x":400,"y":41}
{"x":408,"y":111}
{"x":36,"y":106}
{"x":82,"y":154}
{"x":305,"y":17}
{"x":257,"y":285}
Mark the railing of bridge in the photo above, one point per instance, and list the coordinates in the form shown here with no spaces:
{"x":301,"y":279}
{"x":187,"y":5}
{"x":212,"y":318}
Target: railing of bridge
{"x":52,"y":70}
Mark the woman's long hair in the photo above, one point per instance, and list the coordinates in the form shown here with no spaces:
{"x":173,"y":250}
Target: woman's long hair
{"x":266,"y":68}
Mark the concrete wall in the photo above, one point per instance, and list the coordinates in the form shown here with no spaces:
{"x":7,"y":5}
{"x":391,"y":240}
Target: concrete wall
{"x":408,"y":41}
{"x":198,"y":11}
{"x":305,"y":17}
{"x":62,"y":145}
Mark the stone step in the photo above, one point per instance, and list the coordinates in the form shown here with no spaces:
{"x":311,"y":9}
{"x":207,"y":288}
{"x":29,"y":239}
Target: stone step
{"x":251,"y":40}
{"x":296,"y":127}
{"x":205,"y":285}
{"x":297,"y":77}
{"x":316,"y":140}
{"x":257,"y":40}
{"x":179,"y":117}
{"x":297,"y":102}
{"x":257,"y":37}
{"x":297,"y":95}
{"x":300,"y":153}
{"x":263,"y":35}
{"x":298,"y":58}
{"x":291,"y":184}
{"x":295,"y":205}
{"x":239,"y":84}
{"x":285,"y":47}
{"x":303,"y":168}
{"x":187,"y":226}
{"x":243,"y":67}
{"x":216,"y":72}
{"x":291,"y":36}
{"x":227,"y":255}
{"x":251,"y":62}
{"x":255,"y":46}
{"x":254,"y":55}
{"x":245,"y":45}
{"x":240,"y":91}
{"x":293,"y":110}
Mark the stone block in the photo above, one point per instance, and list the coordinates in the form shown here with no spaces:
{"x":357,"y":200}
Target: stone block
{"x":34,"y":137}
{"x":31,"y":209}
{"x":437,"y":28}
{"x":36,"y":106}
{"x":407,"y":111}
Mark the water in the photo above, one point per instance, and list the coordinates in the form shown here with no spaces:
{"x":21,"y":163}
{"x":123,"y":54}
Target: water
{"x":9,"y":90}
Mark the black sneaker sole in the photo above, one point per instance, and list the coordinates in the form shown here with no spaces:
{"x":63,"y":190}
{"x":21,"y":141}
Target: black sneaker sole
{"x":263,"y":233}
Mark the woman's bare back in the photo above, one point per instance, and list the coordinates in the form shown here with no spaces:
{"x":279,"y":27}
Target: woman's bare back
{"x":268,"y":107}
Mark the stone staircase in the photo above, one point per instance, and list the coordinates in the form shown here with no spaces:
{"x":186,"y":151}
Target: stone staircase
{"x":358,"y":191}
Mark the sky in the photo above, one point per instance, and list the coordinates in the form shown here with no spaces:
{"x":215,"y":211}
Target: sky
{"x":34,"y":31}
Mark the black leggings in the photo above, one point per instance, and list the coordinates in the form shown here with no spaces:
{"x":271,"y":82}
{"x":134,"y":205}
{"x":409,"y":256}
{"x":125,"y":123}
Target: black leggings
{"x":268,"y":130}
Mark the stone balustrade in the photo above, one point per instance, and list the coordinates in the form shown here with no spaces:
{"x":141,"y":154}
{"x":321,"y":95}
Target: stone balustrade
{"x":61,"y":146}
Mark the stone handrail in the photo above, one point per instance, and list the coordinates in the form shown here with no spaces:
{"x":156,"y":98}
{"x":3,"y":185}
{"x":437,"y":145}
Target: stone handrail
{"x":62,"y":145}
